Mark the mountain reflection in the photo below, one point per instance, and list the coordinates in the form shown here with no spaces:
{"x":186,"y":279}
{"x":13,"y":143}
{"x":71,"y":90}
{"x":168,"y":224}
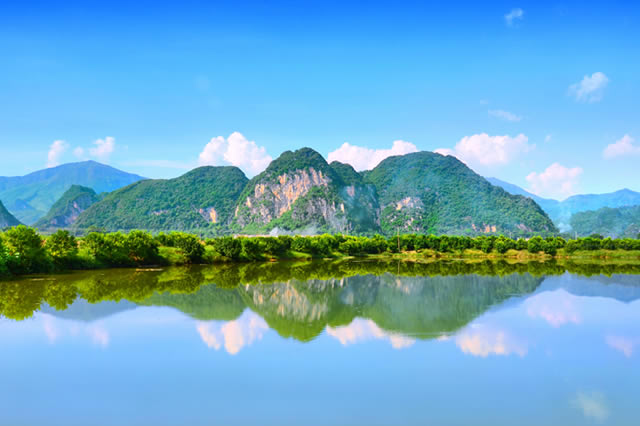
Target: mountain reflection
{"x":352,"y":302}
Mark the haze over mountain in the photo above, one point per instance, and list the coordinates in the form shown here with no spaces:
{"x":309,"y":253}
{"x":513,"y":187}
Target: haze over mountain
{"x":31,"y":196}
{"x":610,"y":222}
{"x":562,"y":211}
{"x":300,"y":192}
{"x":7,"y":219}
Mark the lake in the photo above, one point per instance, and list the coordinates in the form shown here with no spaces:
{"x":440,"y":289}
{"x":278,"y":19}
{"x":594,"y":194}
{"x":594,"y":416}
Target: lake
{"x":341,"y":343}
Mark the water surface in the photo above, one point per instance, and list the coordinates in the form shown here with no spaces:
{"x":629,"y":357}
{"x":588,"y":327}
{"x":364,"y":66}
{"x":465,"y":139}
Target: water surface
{"x":323,"y":343}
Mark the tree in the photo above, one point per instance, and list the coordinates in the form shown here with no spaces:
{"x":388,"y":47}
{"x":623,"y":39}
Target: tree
{"x":535,"y":245}
{"x":190,"y":245}
{"x":63,"y":248}
{"x":141,"y":247}
{"x":27,"y":254}
{"x":228,"y":247}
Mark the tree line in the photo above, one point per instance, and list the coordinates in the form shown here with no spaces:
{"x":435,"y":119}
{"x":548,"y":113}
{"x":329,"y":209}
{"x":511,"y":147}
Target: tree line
{"x":23,"y":250}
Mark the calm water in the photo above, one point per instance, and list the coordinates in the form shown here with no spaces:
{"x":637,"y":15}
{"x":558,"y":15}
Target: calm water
{"x":323,"y":343}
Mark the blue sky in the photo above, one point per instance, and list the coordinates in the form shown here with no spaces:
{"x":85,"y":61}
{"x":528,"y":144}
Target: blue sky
{"x":529,"y":92}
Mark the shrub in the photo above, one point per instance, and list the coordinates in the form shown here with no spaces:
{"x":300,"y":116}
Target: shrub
{"x":26,"y":251}
{"x":63,"y":248}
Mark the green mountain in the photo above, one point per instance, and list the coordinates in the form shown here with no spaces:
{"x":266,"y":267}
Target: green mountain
{"x":429,"y":192}
{"x":616,"y":223}
{"x":562,"y":211}
{"x":31,"y":196}
{"x":300,"y":191}
{"x":7,"y":219}
{"x":67,"y":209}
{"x":202,"y":198}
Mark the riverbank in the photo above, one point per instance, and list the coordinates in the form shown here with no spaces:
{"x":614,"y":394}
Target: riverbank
{"x":24,"y":251}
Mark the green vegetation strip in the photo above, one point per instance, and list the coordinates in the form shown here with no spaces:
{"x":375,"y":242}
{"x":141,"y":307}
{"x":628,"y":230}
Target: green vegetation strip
{"x":24,"y":251}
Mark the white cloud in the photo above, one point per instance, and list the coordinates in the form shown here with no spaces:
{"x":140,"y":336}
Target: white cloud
{"x":56,"y":150}
{"x":237,"y":151}
{"x":504,"y":115}
{"x":547,"y":138}
{"x":623,"y":146}
{"x":103,"y":148}
{"x":79,"y":153}
{"x":362,"y":158}
{"x":361,"y":330}
{"x":485,"y":150}
{"x":516,"y":14}
{"x":557,"y":181}
{"x":590,"y":89}
{"x":593,"y":405}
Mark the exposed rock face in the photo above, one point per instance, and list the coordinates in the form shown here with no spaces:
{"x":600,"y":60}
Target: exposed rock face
{"x":209,"y":214}
{"x":68,"y":208}
{"x":271,"y":199}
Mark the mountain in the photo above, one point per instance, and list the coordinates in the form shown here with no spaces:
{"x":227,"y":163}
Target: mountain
{"x":201,"y":198}
{"x":616,"y":223}
{"x":561,"y":211}
{"x":31,"y":196}
{"x":67,"y":209}
{"x":7,"y":220}
{"x":429,"y":192}
{"x":300,"y":191}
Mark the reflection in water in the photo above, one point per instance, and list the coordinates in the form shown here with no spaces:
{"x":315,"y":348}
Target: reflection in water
{"x":233,"y":335}
{"x":548,"y":348}
{"x":622,"y":344}
{"x":557,"y":308}
{"x":592,"y":404}
{"x":361,"y":330}
{"x":482,"y":340}
{"x":56,"y":328}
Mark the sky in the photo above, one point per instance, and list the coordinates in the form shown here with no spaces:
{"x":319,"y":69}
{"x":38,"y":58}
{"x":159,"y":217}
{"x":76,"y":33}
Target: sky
{"x":542,"y":95}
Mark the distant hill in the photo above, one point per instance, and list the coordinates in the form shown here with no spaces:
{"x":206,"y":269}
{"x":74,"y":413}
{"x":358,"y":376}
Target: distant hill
{"x":198,"y":199}
{"x":617,"y":222}
{"x":561,"y":211}
{"x":67,"y":209}
{"x":7,"y":219}
{"x":429,"y":192}
{"x":31,"y":196}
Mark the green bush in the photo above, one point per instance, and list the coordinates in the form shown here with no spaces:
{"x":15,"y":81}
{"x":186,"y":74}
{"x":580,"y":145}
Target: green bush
{"x":63,"y":248}
{"x":26,"y":251}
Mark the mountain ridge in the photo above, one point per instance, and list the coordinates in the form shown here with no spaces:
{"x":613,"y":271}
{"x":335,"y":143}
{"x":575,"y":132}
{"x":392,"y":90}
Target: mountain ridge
{"x":30,"y":197}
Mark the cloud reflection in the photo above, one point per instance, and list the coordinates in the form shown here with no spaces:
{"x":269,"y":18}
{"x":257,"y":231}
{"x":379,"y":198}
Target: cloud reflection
{"x":361,"y":330}
{"x":232,"y":335}
{"x":556,"y":308}
{"x":482,"y":340}
{"x":55,"y":328}
{"x":621,"y":344}
{"x":593,"y":405}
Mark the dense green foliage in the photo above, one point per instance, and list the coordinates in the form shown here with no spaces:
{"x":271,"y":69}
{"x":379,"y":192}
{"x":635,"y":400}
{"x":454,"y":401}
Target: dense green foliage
{"x":67,"y":209}
{"x":30,"y":197}
{"x":610,"y":222}
{"x":203,"y":198}
{"x":430,"y":193}
{"x":24,"y":251}
{"x":7,"y":219}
